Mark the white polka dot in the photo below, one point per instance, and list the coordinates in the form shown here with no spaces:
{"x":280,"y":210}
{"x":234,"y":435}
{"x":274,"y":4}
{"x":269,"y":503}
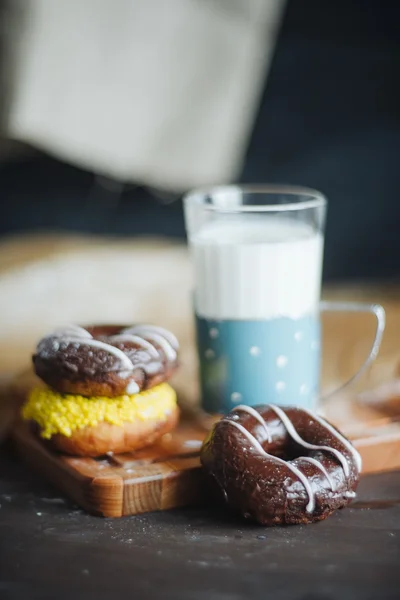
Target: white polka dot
{"x":280,"y":386}
{"x":255,"y":351}
{"x":281,"y":361}
{"x":298,"y":336}
{"x":213,"y":333}
{"x":236,"y":397}
{"x":209,"y":353}
{"x":304,"y":389}
{"x":315,"y":345}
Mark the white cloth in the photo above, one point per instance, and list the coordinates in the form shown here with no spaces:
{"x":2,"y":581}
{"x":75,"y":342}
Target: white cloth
{"x":160,"y":92}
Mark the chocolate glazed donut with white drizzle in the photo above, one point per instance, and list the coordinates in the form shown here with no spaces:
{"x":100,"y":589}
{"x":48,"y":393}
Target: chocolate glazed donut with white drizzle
{"x":106,"y":360}
{"x":281,"y":465}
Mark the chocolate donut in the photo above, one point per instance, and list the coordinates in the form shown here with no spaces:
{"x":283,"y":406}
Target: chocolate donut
{"x":281,"y":465}
{"x":106,"y":360}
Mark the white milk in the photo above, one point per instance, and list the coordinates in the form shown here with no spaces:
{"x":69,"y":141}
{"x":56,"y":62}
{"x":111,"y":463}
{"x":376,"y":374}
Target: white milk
{"x":257,"y":268}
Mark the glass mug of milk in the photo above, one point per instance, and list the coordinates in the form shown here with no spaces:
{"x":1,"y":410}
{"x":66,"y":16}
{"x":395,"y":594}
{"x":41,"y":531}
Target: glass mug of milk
{"x":257,"y":254}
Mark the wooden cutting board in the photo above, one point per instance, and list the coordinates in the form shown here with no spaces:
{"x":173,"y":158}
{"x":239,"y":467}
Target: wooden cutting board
{"x":161,"y":477}
{"x":169,"y":475}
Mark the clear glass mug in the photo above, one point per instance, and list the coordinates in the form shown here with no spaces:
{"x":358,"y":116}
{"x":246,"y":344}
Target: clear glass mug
{"x":257,"y":253}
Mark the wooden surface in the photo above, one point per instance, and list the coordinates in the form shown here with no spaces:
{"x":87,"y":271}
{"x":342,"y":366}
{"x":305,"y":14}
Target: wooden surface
{"x":51,"y":549}
{"x":158,"y":478}
{"x":169,"y":475}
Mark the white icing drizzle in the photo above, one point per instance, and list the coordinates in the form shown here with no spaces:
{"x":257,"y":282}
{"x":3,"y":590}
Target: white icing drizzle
{"x":339,"y":436}
{"x":146,"y":334}
{"x":168,"y":350}
{"x":311,"y":498}
{"x":350,"y":494}
{"x":135,"y":339}
{"x":132,"y":388}
{"x":321,"y":467}
{"x":127,"y":363}
{"x":72,"y":330}
{"x":171,"y":339}
{"x":150,"y":368}
{"x":296,"y":437}
{"x":251,"y":411}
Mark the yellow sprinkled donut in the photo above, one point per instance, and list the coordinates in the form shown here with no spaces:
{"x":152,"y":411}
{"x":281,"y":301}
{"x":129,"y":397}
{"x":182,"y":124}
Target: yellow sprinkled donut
{"x":93,"y":426}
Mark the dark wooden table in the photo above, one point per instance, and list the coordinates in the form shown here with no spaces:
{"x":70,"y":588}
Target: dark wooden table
{"x":51,"y":549}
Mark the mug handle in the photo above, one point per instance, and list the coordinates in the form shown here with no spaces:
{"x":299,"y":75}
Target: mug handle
{"x":374,"y":309}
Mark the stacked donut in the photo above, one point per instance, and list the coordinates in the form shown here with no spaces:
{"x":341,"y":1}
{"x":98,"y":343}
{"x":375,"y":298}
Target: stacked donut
{"x":106,"y":388}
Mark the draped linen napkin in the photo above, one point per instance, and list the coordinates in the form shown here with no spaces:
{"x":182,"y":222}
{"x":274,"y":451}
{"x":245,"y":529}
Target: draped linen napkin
{"x":159,"y":92}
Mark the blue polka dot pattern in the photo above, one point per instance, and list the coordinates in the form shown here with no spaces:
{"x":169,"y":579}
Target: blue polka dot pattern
{"x":274,"y":361}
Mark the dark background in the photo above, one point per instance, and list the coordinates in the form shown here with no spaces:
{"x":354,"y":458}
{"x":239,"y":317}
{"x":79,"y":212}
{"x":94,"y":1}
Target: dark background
{"x":329,"y":119}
